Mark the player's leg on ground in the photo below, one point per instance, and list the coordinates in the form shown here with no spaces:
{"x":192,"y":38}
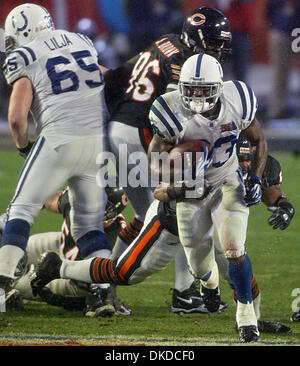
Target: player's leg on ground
{"x":223,"y":266}
{"x":194,"y":226}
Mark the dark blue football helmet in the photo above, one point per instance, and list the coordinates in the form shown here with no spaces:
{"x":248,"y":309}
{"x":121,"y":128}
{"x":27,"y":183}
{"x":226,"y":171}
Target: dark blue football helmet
{"x":207,"y":30}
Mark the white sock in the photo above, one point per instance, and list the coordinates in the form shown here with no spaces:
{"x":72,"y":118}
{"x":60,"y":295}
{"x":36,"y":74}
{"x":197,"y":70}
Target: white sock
{"x":76,"y":270}
{"x":103,"y":253}
{"x":213,"y":281}
{"x":10,"y":255}
{"x":256,"y":304}
{"x":118,"y":248}
{"x":102,"y":285}
{"x":183,"y":277}
{"x":245,"y":314}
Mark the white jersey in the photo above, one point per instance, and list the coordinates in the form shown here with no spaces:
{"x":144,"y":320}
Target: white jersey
{"x":175,"y":124}
{"x":68,"y":85}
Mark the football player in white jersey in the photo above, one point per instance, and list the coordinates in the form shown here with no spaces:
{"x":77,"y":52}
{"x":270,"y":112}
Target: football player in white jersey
{"x":156,"y":71}
{"x":206,"y":108}
{"x":177,"y":117}
{"x":54,"y":74}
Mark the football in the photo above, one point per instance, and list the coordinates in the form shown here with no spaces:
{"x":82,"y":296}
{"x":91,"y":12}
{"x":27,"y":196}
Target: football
{"x":193,"y":146}
{"x":179,"y":161}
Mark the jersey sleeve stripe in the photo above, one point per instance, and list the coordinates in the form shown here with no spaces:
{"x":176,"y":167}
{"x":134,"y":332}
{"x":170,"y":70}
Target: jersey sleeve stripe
{"x":163,"y":120}
{"x":32,"y":54}
{"x":165,"y":106}
{"x":21,"y":53}
{"x":242,"y":96}
{"x":251,"y":102}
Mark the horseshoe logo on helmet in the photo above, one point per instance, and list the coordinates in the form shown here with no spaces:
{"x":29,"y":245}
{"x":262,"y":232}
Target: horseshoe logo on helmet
{"x":198,"y":22}
{"x":19,"y":29}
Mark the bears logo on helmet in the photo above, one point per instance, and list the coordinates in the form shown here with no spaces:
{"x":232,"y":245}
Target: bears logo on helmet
{"x":194,"y":20}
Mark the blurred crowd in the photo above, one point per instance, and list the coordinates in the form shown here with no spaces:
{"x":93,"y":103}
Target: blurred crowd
{"x":261,"y":30}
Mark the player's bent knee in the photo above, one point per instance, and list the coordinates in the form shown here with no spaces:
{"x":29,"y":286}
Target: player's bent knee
{"x":233,"y":252}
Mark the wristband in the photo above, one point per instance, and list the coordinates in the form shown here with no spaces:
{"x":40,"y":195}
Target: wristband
{"x":176,"y":193}
{"x":287,"y":206}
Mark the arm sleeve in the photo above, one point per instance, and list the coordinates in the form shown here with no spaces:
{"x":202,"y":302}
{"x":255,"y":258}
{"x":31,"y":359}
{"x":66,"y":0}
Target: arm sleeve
{"x":15,"y":66}
{"x":246,"y":103}
{"x":272,"y":172}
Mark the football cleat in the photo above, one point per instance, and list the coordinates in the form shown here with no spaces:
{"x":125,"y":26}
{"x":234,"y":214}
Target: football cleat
{"x":223,"y":306}
{"x":249,"y":333}
{"x":211,"y":298}
{"x":296,"y":316}
{"x":47,"y":271}
{"x":188,"y":301}
{"x":120,"y":307}
{"x":272,"y":327}
{"x":6,"y":284}
{"x":98,"y":304}
{"x":14,"y":300}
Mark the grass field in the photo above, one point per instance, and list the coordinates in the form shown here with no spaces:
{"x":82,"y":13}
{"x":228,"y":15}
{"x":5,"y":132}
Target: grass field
{"x":275,"y":258}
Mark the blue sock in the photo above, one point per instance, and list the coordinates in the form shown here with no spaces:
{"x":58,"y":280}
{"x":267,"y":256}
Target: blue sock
{"x":16,"y":232}
{"x":241,"y":276}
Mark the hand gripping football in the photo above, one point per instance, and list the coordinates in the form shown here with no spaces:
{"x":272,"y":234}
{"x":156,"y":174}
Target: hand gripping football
{"x":184,"y":156}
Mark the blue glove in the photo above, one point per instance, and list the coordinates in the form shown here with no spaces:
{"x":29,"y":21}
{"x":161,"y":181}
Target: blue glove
{"x":253,"y":191}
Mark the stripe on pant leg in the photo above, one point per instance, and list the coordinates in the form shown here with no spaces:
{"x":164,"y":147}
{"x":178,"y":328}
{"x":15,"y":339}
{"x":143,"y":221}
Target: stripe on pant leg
{"x":103,"y":270}
{"x":133,"y":258}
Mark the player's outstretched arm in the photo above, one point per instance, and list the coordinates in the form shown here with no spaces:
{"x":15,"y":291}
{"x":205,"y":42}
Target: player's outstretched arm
{"x":273,"y":195}
{"x":283,"y":210}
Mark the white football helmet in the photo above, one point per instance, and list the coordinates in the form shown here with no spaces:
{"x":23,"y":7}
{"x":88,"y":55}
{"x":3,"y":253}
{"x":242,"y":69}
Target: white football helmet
{"x":200,"y":83}
{"x":24,"y":23}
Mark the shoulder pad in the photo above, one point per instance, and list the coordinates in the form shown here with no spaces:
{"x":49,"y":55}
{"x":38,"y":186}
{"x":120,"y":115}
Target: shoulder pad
{"x":243,"y":97}
{"x":16,"y":63}
{"x":163,"y":119}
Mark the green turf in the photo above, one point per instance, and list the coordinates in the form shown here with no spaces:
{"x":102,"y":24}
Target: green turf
{"x":275,"y":258}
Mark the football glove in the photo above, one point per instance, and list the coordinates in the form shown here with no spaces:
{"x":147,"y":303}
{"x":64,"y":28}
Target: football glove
{"x":253,"y":191}
{"x":24,"y":151}
{"x":282,"y":216}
